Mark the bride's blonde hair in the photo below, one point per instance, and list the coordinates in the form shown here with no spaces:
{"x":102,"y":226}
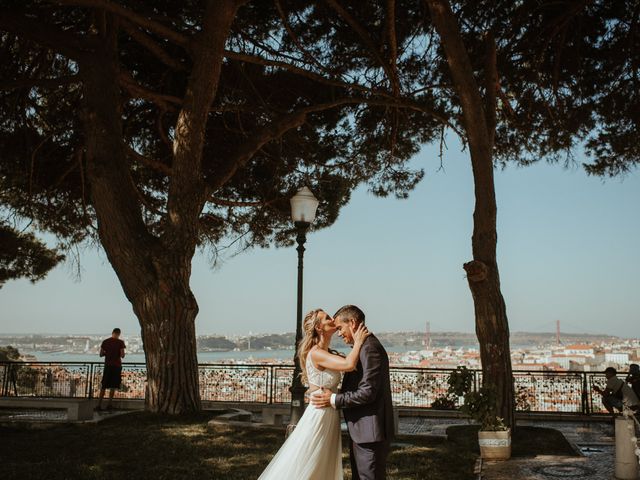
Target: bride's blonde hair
{"x":310,"y":337}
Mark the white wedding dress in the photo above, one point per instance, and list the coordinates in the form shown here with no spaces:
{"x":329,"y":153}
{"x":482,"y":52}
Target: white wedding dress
{"x":314,"y":450}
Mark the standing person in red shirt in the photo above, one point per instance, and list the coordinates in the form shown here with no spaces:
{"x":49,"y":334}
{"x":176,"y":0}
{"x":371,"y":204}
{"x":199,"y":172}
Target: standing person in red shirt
{"x":112,"y":349}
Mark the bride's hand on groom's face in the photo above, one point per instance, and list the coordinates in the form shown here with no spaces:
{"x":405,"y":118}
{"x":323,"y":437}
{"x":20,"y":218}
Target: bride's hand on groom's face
{"x":360,"y":333}
{"x":321,"y":398}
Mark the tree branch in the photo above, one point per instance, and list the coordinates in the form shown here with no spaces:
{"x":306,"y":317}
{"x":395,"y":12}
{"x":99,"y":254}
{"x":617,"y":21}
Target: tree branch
{"x":295,"y":40}
{"x":150,"y":44}
{"x":153,"y":164}
{"x":248,"y":149}
{"x":244,"y":57}
{"x":491,"y":86}
{"x":77,"y":160}
{"x":144,"y":200}
{"x":187,"y":191}
{"x":38,"y":82}
{"x":234,"y":203}
{"x":392,"y":101}
{"x":276,"y":129}
{"x":367,"y":40}
{"x":165,"y":102}
{"x":48,"y":36}
{"x":505,"y":101}
{"x":462,"y":73}
{"x":161,"y":131}
{"x":393,"y":43}
{"x":116,"y":201}
{"x":141,"y":20}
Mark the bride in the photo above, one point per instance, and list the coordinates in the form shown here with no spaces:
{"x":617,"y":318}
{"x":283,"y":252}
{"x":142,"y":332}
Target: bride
{"x":314,"y":450}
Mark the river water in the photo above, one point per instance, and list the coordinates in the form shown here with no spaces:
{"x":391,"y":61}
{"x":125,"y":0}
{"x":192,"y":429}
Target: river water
{"x":203,"y":357}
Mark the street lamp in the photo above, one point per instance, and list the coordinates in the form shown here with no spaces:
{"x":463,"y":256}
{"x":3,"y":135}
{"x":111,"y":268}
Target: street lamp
{"x":303,"y":212}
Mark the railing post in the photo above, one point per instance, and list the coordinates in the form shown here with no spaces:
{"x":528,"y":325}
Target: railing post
{"x":12,"y":376}
{"x":267,"y":399}
{"x":5,"y":378}
{"x":585,"y":394}
{"x":273,"y":385}
{"x":90,"y":381}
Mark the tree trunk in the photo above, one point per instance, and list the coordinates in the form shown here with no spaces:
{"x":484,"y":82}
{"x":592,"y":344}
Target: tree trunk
{"x":154,"y":272}
{"x":167,"y":317}
{"x":155,"y":282}
{"x":492,"y":327}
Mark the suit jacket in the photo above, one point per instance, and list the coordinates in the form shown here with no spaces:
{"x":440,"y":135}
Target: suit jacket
{"x":366,"y":395}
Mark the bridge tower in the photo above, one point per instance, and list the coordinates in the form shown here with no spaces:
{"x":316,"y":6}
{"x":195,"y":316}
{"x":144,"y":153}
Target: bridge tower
{"x":427,"y":335}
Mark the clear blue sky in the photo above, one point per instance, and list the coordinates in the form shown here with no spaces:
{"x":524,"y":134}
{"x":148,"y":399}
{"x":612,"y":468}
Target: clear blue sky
{"x":568,"y":249}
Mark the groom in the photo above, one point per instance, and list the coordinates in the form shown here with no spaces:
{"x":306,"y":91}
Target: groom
{"x":366,"y":399}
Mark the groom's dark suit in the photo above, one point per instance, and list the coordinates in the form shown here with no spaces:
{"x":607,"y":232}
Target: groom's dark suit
{"x":366,"y":399}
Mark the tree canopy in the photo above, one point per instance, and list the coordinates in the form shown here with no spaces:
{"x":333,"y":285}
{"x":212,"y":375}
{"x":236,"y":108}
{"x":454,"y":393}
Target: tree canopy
{"x":9,"y":354}
{"x":270,"y":129}
{"x":567,"y":74}
{"x":23,"y":255}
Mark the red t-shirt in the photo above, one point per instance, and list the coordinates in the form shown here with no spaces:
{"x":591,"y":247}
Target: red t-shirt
{"x":112,"y":347}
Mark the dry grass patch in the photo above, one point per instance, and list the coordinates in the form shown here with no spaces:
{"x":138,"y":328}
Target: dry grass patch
{"x":142,"y":446}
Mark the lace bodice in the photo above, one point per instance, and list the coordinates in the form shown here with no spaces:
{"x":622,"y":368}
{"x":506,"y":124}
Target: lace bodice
{"x":322,"y":378}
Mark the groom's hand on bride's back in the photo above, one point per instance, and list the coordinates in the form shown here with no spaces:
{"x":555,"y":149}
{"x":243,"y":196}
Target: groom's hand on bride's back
{"x":321,"y":398}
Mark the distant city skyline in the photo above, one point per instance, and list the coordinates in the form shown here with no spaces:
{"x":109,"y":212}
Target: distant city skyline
{"x":567,"y":250}
{"x":568,"y":337}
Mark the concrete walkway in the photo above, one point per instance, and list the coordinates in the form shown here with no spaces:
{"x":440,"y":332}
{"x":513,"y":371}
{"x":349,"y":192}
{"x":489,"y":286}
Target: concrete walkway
{"x":596,"y":467}
{"x":593,"y":440}
{"x":49,"y":418}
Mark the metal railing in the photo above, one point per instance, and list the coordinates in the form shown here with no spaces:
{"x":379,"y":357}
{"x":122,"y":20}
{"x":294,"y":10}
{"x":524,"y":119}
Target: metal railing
{"x":536,"y":391}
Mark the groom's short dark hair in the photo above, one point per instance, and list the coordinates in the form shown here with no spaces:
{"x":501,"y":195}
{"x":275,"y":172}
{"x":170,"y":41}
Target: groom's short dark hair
{"x":350,"y":312}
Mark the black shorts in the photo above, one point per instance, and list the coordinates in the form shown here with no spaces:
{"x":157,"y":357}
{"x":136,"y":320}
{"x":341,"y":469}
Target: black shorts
{"x":111,"y":376}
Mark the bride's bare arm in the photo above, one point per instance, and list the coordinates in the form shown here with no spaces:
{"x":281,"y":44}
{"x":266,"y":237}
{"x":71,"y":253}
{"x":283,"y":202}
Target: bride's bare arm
{"x":324,"y":359}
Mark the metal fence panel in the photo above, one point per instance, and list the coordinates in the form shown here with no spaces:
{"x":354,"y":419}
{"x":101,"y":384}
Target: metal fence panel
{"x":46,"y":379}
{"x":594,"y":399}
{"x":134,"y":380}
{"x":548,"y":391}
{"x":235,"y":383}
{"x":282,"y":379}
{"x":418,"y":387}
{"x":536,"y":391}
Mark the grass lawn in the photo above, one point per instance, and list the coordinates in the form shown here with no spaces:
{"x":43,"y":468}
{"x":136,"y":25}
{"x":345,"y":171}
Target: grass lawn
{"x":145,"y":446}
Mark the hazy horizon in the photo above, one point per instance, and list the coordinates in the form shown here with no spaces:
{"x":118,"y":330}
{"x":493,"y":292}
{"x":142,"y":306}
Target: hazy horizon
{"x":214,"y":334}
{"x":567,"y":250}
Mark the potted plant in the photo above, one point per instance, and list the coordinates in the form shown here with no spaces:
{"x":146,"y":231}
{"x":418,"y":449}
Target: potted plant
{"x":494,"y":436}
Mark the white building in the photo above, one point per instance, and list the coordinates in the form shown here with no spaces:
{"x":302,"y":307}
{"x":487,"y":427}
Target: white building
{"x":580,"y":350}
{"x":619,"y":358}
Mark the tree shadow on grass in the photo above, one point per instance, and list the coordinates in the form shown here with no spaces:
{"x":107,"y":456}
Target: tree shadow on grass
{"x":143,"y":446}
{"x":428,"y":458}
{"x":136,"y":446}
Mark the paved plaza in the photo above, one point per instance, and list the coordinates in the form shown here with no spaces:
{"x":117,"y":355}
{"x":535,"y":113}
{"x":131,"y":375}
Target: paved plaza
{"x":594,"y":441}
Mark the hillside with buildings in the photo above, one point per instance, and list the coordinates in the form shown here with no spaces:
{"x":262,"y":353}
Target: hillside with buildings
{"x":529,"y":351}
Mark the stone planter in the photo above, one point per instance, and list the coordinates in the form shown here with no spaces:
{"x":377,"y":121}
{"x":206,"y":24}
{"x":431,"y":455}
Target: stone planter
{"x":495,"y":445}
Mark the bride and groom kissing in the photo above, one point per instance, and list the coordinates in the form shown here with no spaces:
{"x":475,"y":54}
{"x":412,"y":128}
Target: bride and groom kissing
{"x":314,"y":450}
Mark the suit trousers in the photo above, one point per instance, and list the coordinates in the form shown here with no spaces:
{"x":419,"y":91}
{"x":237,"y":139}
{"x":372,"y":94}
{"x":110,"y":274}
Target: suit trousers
{"x":369,"y":460}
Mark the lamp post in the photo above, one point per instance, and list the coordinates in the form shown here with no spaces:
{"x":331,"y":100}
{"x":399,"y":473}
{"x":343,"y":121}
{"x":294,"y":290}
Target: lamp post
{"x":303,"y":212}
